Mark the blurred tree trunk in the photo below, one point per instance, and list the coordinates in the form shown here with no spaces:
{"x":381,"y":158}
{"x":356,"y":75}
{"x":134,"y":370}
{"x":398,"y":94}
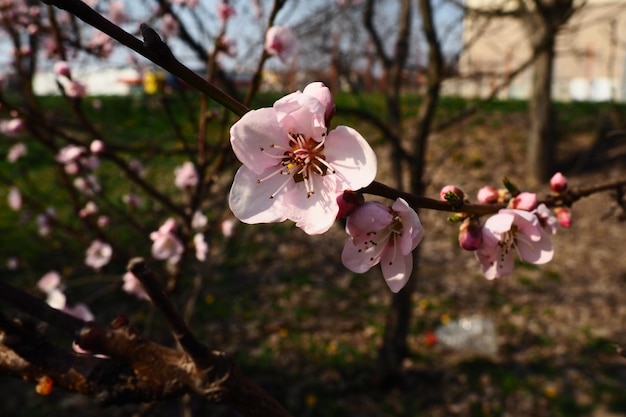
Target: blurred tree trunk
{"x":543,"y":21}
{"x":394,"y":348}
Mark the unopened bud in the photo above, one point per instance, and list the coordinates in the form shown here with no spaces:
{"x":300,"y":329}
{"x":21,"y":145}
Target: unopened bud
{"x":348,"y":202}
{"x":558,"y":183}
{"x":488,"y":195}
{"x":524,"y":201}
{"x":97,"y":146}
{"x":62,"y":68}
{"x":563,"y":216}
{"x":451,"y":194}
{"x":470,"y":235}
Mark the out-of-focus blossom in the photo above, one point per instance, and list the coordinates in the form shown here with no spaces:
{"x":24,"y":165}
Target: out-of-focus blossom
{"x":16,"y":152}
{"x":62,"y":68}
{"x":13,"y":263}
{"x":509,"y":232}
{"x":45,"y":221}
{"x":382,"y":235}
{"x":293,"y":168}
{"x":70,"y":153}
{"x":103,"y":221}
{"x":117,"y":14}
{"x":558,"y":183}
{"x":89,"y":209}
{"x":87,"y":184}
{"x":199,"y":221}
{"x":280,"y":42}
{"x":186,"y":176}
{"x":563,"y":216}
{"x":98,"y":254}
{"x":80,"y":311}
{"x":165,"y":244}
{"x":49,"y":282}
{"x":56,"y":299}
{"x":225,"y":11}
{"x":97,"y":146}
{"x":227,"y":45}
{"x":228,"y":227}
{"x":75,"y":89}
{"x":133,"y":286}
{"x":12,"y":127}
{"x":169,"y":26}
{"x":133,"y":201}
{"x":14,"y":199}
{"x":524,"y":201}
{"x":488,"y":195}
{"x":202,"y":248}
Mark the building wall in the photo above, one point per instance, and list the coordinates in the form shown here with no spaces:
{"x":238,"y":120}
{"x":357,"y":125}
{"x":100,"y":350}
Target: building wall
{"x":590,"y":63}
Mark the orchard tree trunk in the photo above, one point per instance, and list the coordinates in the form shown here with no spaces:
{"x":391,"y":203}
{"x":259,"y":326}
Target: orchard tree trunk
{"x":541,"y":136}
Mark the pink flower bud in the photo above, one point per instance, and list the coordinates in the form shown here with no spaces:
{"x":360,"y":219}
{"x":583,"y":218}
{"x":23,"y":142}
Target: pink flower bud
{"x":451,"y":189}
{"x":525,"y":201}
{"x":470,"y":235}
{"x":558,"y":183}
{"x":488,"y":195}
{"x":97,"y":146}
{"x":563,"y":216}
{"x":348,"y":202}
{"x":280,"y":41}
{"x":62,"y":68}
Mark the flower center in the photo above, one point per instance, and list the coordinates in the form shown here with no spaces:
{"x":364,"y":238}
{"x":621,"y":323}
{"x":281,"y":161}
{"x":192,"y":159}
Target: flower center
{"x":300,"y":161}
{"x":386,"y":236}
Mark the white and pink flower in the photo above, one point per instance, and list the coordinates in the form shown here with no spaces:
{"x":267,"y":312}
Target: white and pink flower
{"x":186,"y":175}
{"x":280,"y":41}
{"x":509,"y":232}
{"x":293,"y":167}
{"x":379,"y":234}
{"x":98,"y":254}
{"x":165,"y":244}
{"x":133,"y":286}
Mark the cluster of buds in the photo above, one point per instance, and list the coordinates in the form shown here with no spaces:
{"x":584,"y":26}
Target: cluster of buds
{"x":524,"y":225}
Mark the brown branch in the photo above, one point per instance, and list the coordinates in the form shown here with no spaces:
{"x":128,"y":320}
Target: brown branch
{"x":135,"y":370}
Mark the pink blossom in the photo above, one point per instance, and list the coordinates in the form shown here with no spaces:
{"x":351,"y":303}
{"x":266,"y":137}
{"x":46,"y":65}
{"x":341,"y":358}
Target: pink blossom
{"x":563,"y":216}
{"x":97,"y":146}
{"x":382,"y":235}
{"x":89,"y":209}
{"x":12,"y":127}
{"x":470,"y":235}
{"x":488,"y":195}
{"x":117,"y":14}
{"x":225,"y":11}
{"x":228,"y":228}
{"x":524,"y":201}
{"x":293,"y":168}
{"x":49,"y":282}
{"x":546,"y":218}
{"x":45,"y":221}
{"x":16,"y":152}
{"x":133,"y":201}
{"x":186,"y":176}
{"x":98,"y":254}
{"x":132,"y":285}
{"x":227,"y":45}
{"x":13,"y":263}
{"x":62,"y":68}
{"x":14,"y":199}
{"x":80,"y":311}
{"x":558,"y":183}
{"x":75,"y":89}
{"x":199,"y":221}
{"x":56,"y":299}
{"x":165,"y":244}
{"x":103,"y":221}
{"x":202,"y":248}
{"x":70,"y":153}
{"x":280,"y":41}
{"x":509,"y":232}
{"x":88,"y":185}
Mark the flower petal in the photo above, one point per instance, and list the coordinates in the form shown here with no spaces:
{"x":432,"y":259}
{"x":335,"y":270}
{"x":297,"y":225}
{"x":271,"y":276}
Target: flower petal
{"x":359,"y":259}
{"x":257,"y":130}
{"x":412,"y":230}
{"x":314,"y":214}
{"x":371,"y":217}
{"x":396,"y":270}
{"x":250,"y":201}
{"x":301,"y":113}
{"x":352,"y":158}
{"x":536,"y":252}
